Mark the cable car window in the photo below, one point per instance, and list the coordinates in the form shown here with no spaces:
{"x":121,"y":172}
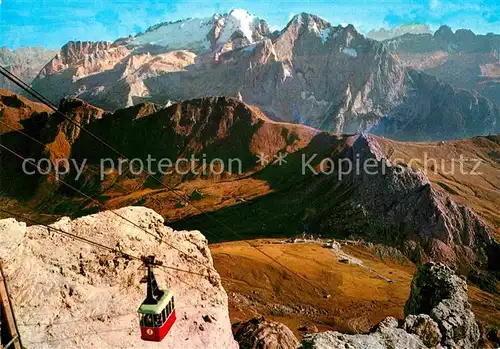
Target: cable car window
{"x":158,"y":320}
{"x":148,"y":320}
{"x":141,"y":319}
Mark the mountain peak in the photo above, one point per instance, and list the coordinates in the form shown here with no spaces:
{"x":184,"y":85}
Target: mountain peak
{"x":307,"y":18}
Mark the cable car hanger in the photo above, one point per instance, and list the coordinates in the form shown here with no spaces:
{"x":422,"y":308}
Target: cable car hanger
{"x":157,"y":311}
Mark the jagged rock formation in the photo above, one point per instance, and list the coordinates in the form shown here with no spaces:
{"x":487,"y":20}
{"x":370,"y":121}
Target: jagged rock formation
{"x":442,"y":295}
{"x":395,"y":200}
{"x":71,"y":295}
{"x":435,"y":100}
{"x":14,"y":109}
{"x":328,"y":77}
{"x":446,"y":321}
{"x":387,"y":335}
{"x":24,"y":62}
{"x":462,"y":58}
{"x":259,"y":333}
{"x":87,"y":57}
{"x":462,"y":40}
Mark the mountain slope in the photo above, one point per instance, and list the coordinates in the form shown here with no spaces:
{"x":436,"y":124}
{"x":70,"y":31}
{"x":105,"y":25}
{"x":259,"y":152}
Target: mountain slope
{"x":25,"y":63}
{"x":14,"y":109}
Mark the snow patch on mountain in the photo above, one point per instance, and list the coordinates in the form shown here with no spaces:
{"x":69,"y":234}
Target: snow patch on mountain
{"x":287,"y":72}
{"x":325,"y":34}
{"x":313,"y":26}
{"x":237,"y":19}
{"x":186,"y":34}
{"x":203,"y":34}
{"x":350,"y":52}
{"x":309,"y":96}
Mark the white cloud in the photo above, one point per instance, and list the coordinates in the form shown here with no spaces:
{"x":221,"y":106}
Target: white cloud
{"x":434,"y":4}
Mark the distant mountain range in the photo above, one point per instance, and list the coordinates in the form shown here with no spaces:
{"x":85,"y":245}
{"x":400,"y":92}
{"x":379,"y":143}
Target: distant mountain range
{"x":461,"y":58}
{"x":327,"y":77}
{"x":25,"y":62}
{"x":385,"y":34}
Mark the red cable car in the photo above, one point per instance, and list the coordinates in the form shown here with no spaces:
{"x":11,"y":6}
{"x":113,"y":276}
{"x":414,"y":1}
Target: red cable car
{"x":157,"y":311}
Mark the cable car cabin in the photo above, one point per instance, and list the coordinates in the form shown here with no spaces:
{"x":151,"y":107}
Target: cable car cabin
{"x":156,"y":320}
{"x":157,"y":312}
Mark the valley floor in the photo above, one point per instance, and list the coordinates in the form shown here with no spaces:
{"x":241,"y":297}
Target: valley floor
{"x":362,"y":291}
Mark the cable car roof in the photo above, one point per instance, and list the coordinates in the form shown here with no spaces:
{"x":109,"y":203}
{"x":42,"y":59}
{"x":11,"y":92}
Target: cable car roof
{"x":156,"y":308}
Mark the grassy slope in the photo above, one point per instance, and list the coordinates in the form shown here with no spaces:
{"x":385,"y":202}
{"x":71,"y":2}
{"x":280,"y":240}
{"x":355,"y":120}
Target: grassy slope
{"x":359,"y":298}
{"x":480,"y":192}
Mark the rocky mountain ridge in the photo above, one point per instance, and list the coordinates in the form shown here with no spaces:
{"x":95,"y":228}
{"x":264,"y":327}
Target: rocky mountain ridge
{"x":462,"y":40}
{"x":328,"y":77}
{"x":386,"y":33}
{"x":462,"y":58}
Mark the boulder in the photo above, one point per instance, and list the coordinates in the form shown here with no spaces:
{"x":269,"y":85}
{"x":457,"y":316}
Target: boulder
{"x":437,"y":291}
{"x":423,"y":326}
{"x":259,"y":333}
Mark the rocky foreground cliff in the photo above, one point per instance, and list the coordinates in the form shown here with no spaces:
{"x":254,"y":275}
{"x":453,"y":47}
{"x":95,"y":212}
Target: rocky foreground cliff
{"x":68,"y":294}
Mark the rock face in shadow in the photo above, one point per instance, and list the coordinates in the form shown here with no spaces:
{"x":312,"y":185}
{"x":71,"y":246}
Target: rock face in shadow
{"x":444,"y":319}
{"x":400,"y":207}
{"x":259,"y":333}
{"x":67,"y":294}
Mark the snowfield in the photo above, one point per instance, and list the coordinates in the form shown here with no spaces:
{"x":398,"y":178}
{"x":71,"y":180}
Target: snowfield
{"x":198,"y":34}
{"x":187,"y":34}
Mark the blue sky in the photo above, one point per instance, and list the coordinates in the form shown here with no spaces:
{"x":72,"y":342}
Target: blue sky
{"x":51,"y":23}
